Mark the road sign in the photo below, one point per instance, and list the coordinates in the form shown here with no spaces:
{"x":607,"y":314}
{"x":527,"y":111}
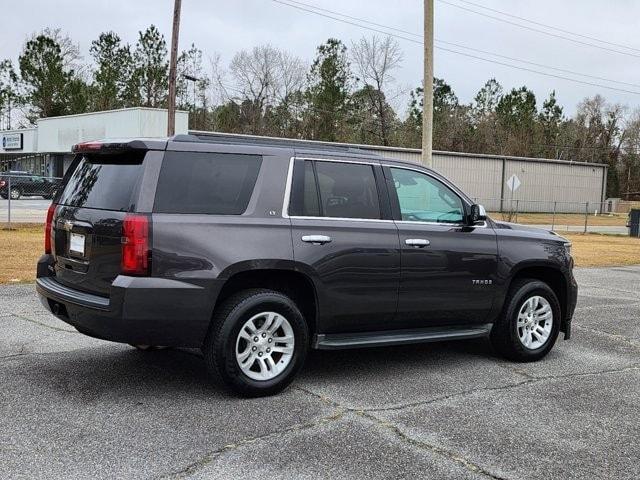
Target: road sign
{"x":513,"y":183}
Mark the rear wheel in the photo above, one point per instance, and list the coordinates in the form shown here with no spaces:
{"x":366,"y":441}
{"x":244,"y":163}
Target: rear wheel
{"x":15,"y":193}
{"x":257,"y":342}
{"x":530,"y":322}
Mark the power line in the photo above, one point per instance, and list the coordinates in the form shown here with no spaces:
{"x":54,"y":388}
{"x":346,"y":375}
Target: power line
{"x":528,"y":20}
{"x":586,"y":75}
{"x":407,"y":32}
{"x":537,"y":30}
{"x":419,"y":42}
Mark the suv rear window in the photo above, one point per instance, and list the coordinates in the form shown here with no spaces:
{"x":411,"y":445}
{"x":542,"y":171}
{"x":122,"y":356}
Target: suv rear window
{"x":103,"y":181}
{"x":206,"y":183}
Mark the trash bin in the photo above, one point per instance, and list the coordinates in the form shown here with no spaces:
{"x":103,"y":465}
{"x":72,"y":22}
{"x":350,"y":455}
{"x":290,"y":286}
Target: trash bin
{"x":634,"y":222}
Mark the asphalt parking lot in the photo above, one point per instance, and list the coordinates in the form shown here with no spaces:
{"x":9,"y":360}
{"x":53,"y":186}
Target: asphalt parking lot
{"x":25,"y":210}
{"x":75,"y":407}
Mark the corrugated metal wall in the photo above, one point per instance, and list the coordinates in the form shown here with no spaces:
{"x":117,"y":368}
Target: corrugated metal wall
{"x":545,"y":184}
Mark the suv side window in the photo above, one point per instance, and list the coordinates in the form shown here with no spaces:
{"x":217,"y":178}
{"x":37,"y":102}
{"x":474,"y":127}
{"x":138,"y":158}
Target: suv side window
{"x":422,"y":198}
{"x":335,"y":189}
{"x":305,"y":201}
{"x":206,"y":183}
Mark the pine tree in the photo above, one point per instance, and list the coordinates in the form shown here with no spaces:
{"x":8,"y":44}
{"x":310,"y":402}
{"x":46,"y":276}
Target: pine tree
{"x":113,"y":69}
{"x":328,"y":94}
{"x":151,"y":68}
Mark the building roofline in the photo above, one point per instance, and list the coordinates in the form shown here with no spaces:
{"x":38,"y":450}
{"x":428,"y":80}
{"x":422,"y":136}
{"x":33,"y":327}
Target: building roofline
{"x":106,"y":111}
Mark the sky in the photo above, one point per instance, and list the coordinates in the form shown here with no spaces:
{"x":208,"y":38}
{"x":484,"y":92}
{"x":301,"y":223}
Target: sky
{"x":224,"y":27}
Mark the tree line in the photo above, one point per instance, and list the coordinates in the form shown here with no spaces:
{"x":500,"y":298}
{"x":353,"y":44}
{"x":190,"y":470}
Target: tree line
{"x":345,"y":94}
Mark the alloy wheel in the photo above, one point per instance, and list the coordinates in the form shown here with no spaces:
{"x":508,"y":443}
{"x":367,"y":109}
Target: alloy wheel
{"x":265,"y":346}
{"x":535,"y":322}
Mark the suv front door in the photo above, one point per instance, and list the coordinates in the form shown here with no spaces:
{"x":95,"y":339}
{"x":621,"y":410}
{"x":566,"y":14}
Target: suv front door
{"x":346,"y":241}
{"x":448,"y":267}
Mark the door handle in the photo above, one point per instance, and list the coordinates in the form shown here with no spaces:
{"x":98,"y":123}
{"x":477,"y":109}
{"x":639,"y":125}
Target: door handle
{"x":417,"y":242}
{"x":316,"y":239}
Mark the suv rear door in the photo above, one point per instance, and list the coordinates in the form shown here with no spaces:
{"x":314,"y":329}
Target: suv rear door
{"x":448,"y":267}
{"x":345,"y":239}
{"x":99,"y":190}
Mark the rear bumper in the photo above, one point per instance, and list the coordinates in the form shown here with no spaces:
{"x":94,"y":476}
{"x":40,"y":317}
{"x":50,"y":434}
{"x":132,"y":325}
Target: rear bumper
{"x":138,"y":310}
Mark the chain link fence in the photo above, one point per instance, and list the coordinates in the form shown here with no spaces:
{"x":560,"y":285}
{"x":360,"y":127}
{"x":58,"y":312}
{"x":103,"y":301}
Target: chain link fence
{"x":611,"y":217}
{"x":24,"y":197}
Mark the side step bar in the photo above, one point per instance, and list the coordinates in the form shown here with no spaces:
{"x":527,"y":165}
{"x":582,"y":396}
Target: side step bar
{"x":337,"y":341}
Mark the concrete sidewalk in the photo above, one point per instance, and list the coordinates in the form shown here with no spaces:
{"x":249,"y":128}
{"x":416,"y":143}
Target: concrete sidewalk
{"x":75,"y":407}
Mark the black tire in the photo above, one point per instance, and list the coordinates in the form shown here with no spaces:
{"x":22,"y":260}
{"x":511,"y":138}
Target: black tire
{"x":219,"y":349}
{"x":504,"y":334}
{"x":16,"y":195}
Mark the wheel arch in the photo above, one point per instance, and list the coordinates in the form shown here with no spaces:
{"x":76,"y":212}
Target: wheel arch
{"x":279,"y":276}
{"x":550,"y":274}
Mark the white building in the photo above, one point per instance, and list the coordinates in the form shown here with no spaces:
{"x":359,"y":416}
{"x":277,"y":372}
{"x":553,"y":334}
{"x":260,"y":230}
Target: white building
{"x":46,"y":148}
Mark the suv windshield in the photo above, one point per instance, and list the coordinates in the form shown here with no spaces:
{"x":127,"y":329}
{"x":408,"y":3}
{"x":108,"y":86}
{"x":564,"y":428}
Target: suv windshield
{"x":103,"y":181}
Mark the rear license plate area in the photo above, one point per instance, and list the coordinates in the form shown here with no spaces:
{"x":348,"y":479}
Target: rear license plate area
{"x":77,"y":244}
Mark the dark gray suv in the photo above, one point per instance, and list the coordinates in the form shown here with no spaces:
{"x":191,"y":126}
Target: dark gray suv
{"x":256,"y":251}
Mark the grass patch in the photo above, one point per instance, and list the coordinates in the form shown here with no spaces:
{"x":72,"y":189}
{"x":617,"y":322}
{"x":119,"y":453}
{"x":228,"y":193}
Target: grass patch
{"x":566,"y":219}
{"x":21,"y":247}
{"x":594,"y":250}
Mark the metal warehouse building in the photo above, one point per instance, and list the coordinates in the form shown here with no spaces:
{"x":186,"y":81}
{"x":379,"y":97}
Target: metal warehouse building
{"x":545,"y":185}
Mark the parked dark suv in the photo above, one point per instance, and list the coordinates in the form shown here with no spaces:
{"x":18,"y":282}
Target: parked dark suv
{"x":256,"y":252}
{"x":18,"y":184}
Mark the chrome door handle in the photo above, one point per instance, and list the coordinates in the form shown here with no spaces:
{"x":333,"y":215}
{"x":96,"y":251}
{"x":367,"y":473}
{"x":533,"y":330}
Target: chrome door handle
{"x":417,"y":242}
{"x":316,"y":239}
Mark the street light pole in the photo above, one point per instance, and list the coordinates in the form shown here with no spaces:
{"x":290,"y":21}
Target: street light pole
{"x":171,"y":121}
{"x":427,"y":108}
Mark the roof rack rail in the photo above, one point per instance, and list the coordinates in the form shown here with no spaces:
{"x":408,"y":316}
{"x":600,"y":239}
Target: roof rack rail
{"x":238,"y":138}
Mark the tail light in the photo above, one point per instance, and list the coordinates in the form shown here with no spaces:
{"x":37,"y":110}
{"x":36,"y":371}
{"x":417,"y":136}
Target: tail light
{"x":135,"y":245}
{"x":2,"y":183}
{"x":47,"y":228}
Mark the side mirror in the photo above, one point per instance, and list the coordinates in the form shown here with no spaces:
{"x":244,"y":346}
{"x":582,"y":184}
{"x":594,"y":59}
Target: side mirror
{"x":478,"y":214}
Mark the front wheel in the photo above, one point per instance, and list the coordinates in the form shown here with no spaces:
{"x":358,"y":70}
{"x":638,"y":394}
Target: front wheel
{"x":530,"y":322}
{"x":257,"y":342}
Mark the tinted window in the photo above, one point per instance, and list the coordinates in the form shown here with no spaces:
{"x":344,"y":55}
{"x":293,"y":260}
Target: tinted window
{"x":304,"y":193}
{"x":212,"y":183}
{"x":347,"y":190}
{"x":422,"y":198}
{"x":103,"y":181}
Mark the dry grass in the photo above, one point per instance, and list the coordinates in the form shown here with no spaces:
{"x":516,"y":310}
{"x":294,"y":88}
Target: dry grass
{"x":561,"y":219}
{"x":593,"y":250}
{"x":21,"y":248}
{"x":19,"y":252}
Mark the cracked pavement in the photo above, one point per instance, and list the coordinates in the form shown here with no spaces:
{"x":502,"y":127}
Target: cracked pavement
{"x":75,"y":407}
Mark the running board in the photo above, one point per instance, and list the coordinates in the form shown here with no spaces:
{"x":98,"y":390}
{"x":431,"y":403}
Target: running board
{"x":337,"y":341}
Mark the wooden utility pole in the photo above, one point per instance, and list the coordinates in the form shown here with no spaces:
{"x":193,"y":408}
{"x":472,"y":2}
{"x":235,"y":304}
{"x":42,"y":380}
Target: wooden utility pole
{"x":171,"y":123}
{"x":427,"y":109}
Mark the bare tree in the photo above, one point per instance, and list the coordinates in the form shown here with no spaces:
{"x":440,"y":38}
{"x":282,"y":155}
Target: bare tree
{"x":374,"y":60}
{"x":265,"y":77}
{"x":71,"y":56}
